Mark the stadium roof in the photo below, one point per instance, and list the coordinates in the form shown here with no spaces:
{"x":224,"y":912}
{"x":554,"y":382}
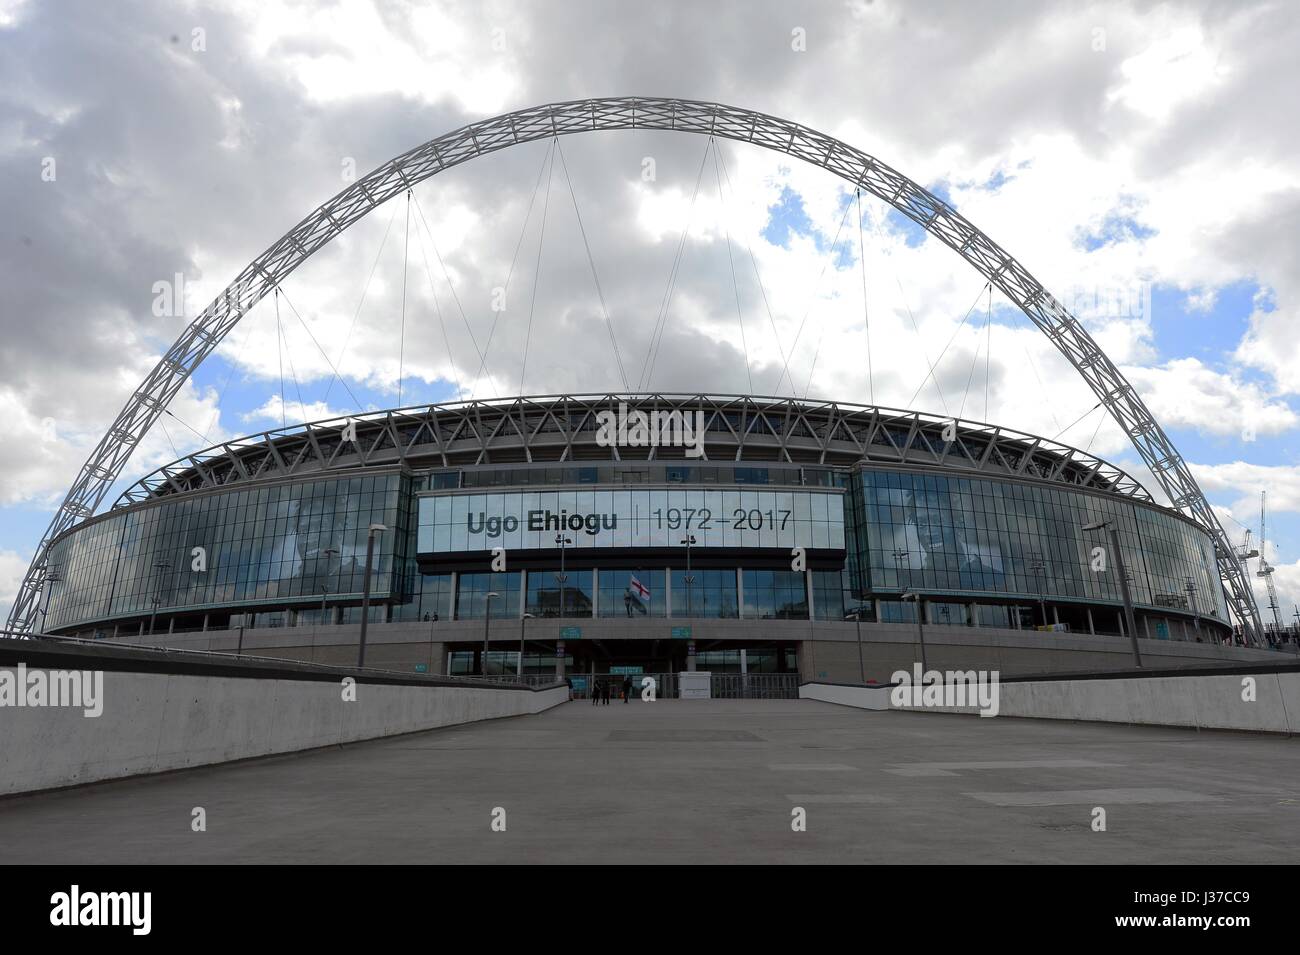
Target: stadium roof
{"x":563,"y":429}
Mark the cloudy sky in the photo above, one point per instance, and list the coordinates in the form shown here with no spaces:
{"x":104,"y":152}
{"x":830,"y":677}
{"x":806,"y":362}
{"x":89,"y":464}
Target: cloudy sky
{"x":1139,"y":159}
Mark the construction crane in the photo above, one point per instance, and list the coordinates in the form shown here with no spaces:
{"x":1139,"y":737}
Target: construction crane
{"x":1265,"y":569}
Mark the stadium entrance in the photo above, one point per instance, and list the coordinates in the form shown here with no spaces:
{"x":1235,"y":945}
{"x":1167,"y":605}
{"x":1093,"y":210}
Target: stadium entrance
{"x":585,"y":657}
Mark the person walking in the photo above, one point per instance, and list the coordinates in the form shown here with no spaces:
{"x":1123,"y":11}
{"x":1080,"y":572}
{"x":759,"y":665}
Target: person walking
{"x":604,"y":692}
{"x":595,"y":692}
{"x":627,"y":687}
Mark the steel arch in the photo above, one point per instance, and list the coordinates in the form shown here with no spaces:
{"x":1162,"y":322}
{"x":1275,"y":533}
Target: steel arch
{"x":632,"y":112}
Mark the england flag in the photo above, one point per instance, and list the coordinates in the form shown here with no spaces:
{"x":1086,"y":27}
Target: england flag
{"x":640,"y":590}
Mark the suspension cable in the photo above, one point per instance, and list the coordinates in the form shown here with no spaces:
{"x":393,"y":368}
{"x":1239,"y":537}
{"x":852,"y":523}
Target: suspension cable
{"x":216,"y":411}
{"x":988,"y":351}
{"x":731,"y":261}
{"x":866,"y":316}
{"x":401,"y":336}
{"x":974,"y":362}
{"x":307,"y":329}
{"x":661,"y":320}
{"x":951,"y":339}
{"x":813,"y":367}
{"x":279,"y":351}
{"x":451,"y":287}
{"x":812,"y":298}
{"x":523,"y":229}
{"x":875,"y":221}
{"x":297,"y":386}
{"x":720,"y":153}
{"x":357,"y":314}
{"x":437,"y":307}
{"x":609,"y":323}
{"x":537,"y":272}
{"x":1059,"y":434}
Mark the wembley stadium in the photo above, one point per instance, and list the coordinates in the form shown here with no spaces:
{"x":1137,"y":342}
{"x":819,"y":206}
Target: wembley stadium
{"x":625,"y":559}
{"x":637,"y":531}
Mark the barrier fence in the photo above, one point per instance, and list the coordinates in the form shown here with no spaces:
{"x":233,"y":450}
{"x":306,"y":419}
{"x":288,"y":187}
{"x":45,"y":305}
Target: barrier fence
{"x":725,"y":686}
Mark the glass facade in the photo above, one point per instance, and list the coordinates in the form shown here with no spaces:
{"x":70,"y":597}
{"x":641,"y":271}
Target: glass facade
{"x":632,"y":593}
{"x":258,"y":545}
{"x":546,"y":594}
{"x":955,"y":535}
{"x":984,"y":551}
{"x":712,"y":593}
{"x":471,"y":597}
{"x":775,"y":595}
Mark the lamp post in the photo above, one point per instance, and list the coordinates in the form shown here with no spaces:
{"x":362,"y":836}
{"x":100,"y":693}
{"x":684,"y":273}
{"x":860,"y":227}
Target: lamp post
{"x":365,"y":590}
{"x":519,"y":670}
{"x":160,"y":566}
{"x":1038,"y":567}
{"x":856,"y":617}
{"x":689,"y":578}
{"x":561,"y":577}
{"x":1190,"y":590}
{"x":920,"y":625}
{"x":327,"y":553}
{"x":487,"y":621}
{"x":1130,"y":621}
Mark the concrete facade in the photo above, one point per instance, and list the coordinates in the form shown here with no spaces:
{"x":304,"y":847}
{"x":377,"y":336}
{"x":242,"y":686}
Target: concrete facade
{"x":827,"y":650}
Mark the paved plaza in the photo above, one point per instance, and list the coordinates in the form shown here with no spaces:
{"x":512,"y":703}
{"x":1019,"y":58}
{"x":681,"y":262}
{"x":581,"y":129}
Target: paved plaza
{"x":703,"y":781}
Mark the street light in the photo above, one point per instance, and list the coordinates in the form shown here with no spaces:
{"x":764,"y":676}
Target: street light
{"x":1190,"y":590}
{"x":487,"y":619}
{"x":689,"y":578}
{"x":856,"y":617}
{"x":519,"y":670}
{"x":1039,"y":568}
{"x":160,"y":566}
{"x":920,"y":625}
{"x":1130,"y":620}
{"x":561,"y":577}
{"x":327,"y":553}
{"x":365,"y":590}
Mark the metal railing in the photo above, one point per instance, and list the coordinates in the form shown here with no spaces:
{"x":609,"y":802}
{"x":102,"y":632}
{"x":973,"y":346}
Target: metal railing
{"x":724,"y":686}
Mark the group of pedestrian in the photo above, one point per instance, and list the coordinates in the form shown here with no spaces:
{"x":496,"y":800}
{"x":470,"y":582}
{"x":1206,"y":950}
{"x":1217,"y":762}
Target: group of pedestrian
{"x":602,"y":689}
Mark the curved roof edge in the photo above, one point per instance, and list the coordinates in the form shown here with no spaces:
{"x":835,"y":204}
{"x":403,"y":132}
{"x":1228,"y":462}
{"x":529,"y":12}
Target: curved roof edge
{"x":561,"y":429}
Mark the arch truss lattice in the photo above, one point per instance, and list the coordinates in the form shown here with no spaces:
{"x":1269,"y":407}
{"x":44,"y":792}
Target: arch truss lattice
{"x":863,"y":171}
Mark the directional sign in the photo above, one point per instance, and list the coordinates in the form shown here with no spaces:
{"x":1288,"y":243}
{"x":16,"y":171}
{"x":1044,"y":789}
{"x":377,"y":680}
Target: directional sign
{"x":681,"y":633}
{"x":570,"y":633}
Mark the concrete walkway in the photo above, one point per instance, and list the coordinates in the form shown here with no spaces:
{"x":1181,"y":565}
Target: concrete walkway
{"x":703,"y":782}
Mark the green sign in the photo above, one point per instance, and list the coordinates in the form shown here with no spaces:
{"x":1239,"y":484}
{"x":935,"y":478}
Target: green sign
{"x":421,"y":668}
{"x":626,"y":671}
{"x":570,"y":633}
{"x":681,"y":633}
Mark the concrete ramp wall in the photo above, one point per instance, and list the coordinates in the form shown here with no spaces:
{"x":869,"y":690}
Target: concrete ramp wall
{"x":1211,"y":701}
{"x":158,"y":721}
